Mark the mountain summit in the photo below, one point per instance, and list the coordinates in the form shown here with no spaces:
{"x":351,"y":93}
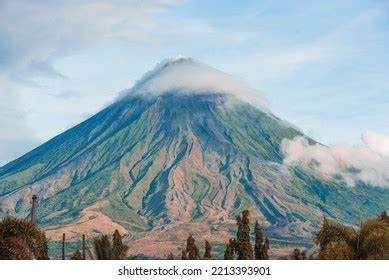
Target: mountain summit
{"x":187,"y":76}
{"x":182,"y":152}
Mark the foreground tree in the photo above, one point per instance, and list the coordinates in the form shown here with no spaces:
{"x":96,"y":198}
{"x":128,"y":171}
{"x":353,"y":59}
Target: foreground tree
{"x":208,"y":249}
{"x":184,"y":254}
{"x":119,"y":249}
{"x":299,"y":254}
{"x":191,"y":248}
{"x":171,"y":256}
{"x":229,"y":253}
{"x":258,"y":246}
{"x":102,"y":247}
{"x":76,"y":255}
{"x":22,"y":240}
{"x":384,"y":217}
{"x":341,"y":242}
{"x":243,"y":242}
{"x":265,"y":249}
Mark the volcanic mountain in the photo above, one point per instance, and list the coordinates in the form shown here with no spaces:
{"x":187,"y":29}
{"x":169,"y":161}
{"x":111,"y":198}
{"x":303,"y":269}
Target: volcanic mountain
{"x":184,"y":151}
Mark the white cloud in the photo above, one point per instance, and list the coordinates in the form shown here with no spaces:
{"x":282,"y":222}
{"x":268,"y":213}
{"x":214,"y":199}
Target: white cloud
{"x":368,"y":162}
{"x":377,"y":142}
{"x":189,"y":76}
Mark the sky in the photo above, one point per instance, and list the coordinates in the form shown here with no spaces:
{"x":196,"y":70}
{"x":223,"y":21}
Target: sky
{"x":322,"y":65}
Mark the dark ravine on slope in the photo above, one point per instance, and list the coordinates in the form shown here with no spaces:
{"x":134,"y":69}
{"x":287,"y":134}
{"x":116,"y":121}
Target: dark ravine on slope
{"x":155,"y":165}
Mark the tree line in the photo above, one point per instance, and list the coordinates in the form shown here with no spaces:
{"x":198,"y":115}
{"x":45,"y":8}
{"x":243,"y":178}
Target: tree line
{"x":239,"y":248}
{"x":22,"y":239}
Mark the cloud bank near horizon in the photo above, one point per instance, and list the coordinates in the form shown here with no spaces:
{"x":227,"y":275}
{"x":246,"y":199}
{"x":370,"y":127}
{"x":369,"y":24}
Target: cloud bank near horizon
{"x":367,"y":162}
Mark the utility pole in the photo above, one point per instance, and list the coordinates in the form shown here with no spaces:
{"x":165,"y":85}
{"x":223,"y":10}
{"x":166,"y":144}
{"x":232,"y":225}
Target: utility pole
{"x":63,"y":246}
{"x":33,"y":210}
{"x":83,"y":247}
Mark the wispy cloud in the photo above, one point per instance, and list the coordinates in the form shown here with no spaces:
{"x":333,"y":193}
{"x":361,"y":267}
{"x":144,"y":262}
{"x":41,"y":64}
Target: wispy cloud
{"x":33,"y":33}
{"x":368,"y":162}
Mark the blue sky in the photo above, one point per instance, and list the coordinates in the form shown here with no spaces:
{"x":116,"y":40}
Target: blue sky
{"x":323,"y":65}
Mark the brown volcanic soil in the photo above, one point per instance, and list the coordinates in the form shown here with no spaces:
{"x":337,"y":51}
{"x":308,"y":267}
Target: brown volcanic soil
{"x":90,"y":221}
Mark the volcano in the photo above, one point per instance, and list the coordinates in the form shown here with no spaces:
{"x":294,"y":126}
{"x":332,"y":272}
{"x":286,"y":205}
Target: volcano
{"x":184,"y":151}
